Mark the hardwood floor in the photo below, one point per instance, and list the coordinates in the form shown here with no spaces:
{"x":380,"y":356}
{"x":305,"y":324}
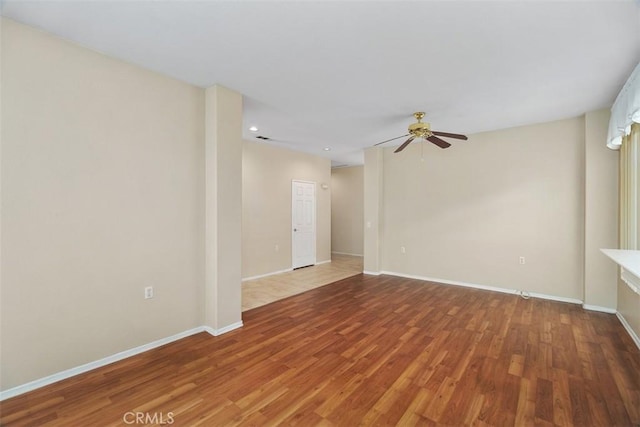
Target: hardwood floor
{"x":265,"y":290}
{"x":369,"y":351}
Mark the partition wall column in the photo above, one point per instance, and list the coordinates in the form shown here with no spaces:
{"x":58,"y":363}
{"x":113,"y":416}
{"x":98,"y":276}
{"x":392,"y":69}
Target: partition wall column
{"x":373,"y":180}
{"x":223,"y":210}
{"x":601,"y":214}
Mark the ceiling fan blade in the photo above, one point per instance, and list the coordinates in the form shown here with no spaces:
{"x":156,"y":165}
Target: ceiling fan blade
{"x":450,"y":135}
{"x":392,"y":139}
{"x":404,"y":145}
{"x":440,"y":143}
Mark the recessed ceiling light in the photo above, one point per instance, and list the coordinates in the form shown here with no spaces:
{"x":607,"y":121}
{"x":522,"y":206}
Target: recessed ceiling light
{"x":253,"y":129}
{"x":327,"y":148}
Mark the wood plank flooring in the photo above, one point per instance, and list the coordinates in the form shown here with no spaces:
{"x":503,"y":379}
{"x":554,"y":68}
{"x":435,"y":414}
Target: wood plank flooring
{"x":369,"y":351}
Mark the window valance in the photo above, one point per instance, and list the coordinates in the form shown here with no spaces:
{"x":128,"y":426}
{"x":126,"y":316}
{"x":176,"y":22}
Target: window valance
{"x":625,"y":110}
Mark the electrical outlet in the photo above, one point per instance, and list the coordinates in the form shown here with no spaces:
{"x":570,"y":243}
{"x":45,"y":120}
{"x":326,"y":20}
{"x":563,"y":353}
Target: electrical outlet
{"x":403,"y":250}
{"x":522,"y":260}
{"x":148,"y":292}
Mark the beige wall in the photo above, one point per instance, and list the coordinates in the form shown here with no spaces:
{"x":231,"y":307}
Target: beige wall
{"x":601,"y":213}
{"x":468,"y":213}
{"x":267,"y":172}
{"x":223,"y":199}
{"x":629,"y":306}
{"x":102,"y":195}
{"x":373,"y":183}
{"x":347,"y":210}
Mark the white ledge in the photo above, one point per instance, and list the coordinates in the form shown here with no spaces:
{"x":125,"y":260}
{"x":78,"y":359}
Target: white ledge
{"x":630,"y":260}
{"x":630,"y":263}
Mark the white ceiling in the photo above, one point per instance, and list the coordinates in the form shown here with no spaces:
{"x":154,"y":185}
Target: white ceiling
{"x":349,"y":74}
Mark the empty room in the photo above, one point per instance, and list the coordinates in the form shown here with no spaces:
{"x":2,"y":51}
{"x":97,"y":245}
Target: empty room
{"x":262,"y":213}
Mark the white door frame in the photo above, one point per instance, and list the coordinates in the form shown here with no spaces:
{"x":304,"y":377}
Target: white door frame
{"x":310,"y":258}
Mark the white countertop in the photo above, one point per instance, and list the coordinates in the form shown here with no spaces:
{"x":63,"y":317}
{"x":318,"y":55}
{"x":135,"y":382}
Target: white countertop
{"x":629,"y":260}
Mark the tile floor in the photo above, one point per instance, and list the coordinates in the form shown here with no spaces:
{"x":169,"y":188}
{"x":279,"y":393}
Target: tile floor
{"x":258,"y":292}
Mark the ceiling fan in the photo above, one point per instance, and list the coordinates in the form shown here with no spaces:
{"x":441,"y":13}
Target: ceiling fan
{"x":423,"y":130}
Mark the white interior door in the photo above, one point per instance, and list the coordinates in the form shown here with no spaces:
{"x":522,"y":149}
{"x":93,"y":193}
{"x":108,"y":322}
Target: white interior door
{"x":303,"y":223}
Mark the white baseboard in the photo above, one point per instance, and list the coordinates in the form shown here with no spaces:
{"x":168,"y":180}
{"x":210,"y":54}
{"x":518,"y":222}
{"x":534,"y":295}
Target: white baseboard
{"x":630,"y":330}
{"x":260,"y":276}
{"x":346,"y":253}
{"x":452,"y":282}
{"x":599,"y":308}
{"x":624,"y":322}
{"x":485,"y":287}
{"x":223,"y":330}
{"x":286,"y":270}
{"x":556,"y":298}
{"x":68,"y":373}
{"x":371,"y":273}
{"x":626,"y":325}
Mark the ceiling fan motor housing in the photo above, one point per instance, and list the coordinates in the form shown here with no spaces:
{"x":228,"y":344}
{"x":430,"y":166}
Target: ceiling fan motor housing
{"x":420,"y":129}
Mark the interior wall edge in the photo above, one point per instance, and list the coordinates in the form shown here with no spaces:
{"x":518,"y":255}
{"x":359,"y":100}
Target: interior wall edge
{"x":68,"y":373}
{"x":486,"y":287}
{"x":601,"y":309}
{"x":273,"y":273}
{"x":629,"y":329}
{"x":72,"y":372}
{"x":371,"y":273}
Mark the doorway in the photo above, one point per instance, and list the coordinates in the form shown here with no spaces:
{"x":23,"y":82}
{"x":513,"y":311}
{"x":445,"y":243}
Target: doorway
{"x":303,"y":223}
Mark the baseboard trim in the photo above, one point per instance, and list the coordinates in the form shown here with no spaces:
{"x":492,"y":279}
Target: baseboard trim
{"x":346,"y":253}
{"x":555,"y":298}
{"x":273,"y":273}
{"x":599,"y":308}
{"x":223,"y":330}
{"x":452,"y":282}
{"x":624,"y":322}
{"x":260,"y":276}
{"x":371,"y":273}
{"x":629,"y":329}
{"x":68,"y":373}
{"x":485,"y":287}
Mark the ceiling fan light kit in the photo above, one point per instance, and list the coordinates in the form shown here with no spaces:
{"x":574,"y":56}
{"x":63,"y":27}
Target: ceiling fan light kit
{"x":423,"y":130}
